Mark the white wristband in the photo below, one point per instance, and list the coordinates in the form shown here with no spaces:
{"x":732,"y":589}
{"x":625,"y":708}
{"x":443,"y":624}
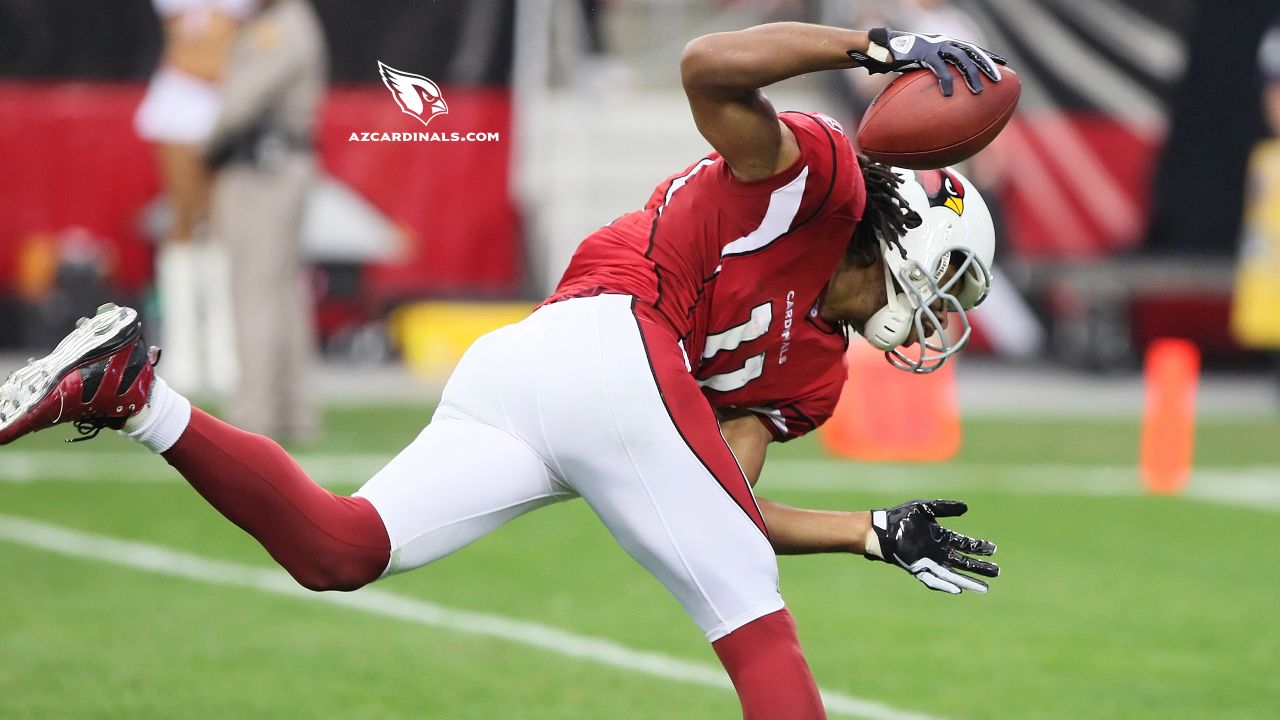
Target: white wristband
{"x":871,"y":546}
{"x":878,"y":52}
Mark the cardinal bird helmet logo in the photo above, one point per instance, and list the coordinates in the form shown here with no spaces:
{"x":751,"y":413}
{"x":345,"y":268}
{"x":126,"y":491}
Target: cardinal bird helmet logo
{"x":944,"y":188}
{"x":416,"y":95}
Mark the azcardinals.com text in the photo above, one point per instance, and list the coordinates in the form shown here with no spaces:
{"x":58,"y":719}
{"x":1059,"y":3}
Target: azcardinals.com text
{"x":424,"y":137}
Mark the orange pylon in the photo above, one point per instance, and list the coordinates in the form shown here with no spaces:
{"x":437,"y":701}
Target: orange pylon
{"x":1172,"y":372}
{"x":885,"y":414}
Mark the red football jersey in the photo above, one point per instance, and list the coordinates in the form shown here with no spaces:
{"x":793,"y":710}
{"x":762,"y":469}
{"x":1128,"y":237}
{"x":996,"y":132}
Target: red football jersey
{"x":669,"y":252}
{"x":777,"y":359}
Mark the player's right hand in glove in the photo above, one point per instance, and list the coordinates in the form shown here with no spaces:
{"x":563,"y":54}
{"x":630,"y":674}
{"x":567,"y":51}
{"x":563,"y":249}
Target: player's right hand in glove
{"x":891,"y":50}
{"x":910,"y":537}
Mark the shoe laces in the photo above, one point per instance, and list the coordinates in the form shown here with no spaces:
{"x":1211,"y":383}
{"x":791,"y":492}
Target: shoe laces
{"x":88,"y":429}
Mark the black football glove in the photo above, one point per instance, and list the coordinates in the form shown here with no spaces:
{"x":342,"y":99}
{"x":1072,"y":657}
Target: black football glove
{"x":910,"y":537}
{"x":892,"y":50}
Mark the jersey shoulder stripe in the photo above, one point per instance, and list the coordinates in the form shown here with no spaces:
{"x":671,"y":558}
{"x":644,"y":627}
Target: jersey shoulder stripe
{"x":679,"y":182}
{"x":784,"y":203}
{"x":835,"y":164}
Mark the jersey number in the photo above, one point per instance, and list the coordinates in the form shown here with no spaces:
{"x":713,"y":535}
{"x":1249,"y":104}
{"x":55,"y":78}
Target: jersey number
{"x":727,"y":341}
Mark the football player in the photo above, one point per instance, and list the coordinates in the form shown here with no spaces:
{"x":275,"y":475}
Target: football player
{"x":593,"y":395}
{"x":777,"y":386}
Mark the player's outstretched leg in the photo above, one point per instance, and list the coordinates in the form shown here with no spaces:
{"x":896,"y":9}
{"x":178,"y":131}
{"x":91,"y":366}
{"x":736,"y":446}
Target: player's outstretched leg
{"x":101,"y":376}
{"x":325,"y":541}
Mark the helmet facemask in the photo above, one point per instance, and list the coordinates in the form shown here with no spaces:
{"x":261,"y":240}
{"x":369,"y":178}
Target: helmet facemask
{"x":927,"y":303}
{"x":938,"y":269}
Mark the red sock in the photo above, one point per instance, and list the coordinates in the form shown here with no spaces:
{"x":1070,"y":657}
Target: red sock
{"x":325,"y":541}
{"x":769,"y":671}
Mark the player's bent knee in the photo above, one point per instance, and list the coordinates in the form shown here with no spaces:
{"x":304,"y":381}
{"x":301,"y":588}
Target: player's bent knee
{"x":342,"y":574}
{"x":346,"y":551}
{"x":329,"y":583}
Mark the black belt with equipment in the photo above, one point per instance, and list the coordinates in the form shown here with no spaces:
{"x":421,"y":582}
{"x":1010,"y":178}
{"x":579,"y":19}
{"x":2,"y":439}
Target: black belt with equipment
{"x":263,"y":146}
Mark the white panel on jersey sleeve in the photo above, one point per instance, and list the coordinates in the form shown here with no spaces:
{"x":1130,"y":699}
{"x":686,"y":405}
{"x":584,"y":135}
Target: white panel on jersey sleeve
{"x":680,"y":181}
{"x":755,"y":327}
{"x":725,"y":382}
{"x":784,"y":203}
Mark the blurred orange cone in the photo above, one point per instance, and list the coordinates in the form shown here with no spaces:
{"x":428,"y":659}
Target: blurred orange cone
{"x":885,"y":414}
{"x":1169,"y":423}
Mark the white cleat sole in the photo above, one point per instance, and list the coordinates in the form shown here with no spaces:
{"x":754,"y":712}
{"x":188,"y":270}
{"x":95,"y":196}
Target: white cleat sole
{"x":94,"y":336}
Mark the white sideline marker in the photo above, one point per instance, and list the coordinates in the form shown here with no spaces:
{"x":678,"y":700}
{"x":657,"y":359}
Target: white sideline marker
{"x":164,"y":561}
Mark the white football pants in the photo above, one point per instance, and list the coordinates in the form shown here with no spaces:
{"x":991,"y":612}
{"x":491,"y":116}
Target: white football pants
{"x":567,"y":403}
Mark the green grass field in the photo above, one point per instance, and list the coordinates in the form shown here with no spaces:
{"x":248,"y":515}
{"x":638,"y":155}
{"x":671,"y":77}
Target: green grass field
{"x":1112,"y":604}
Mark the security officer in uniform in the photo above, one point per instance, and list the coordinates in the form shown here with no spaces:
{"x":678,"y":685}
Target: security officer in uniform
{"x":261,"y":150}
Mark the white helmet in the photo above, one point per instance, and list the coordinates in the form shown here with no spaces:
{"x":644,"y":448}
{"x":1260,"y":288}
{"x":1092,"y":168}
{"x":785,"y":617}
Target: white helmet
{"x":955,"y":231}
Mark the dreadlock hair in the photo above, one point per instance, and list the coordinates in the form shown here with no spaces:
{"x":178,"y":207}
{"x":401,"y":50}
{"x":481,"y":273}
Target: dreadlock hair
{"x":887,"y":215}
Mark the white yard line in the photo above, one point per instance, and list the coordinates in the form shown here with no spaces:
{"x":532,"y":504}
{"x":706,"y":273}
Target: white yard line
{"x":81,"y":465}
{"x":164,"y":561}
{"x":1255,"y":487}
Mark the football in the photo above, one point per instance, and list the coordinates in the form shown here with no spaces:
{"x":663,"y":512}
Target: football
{"x":911,"y":124}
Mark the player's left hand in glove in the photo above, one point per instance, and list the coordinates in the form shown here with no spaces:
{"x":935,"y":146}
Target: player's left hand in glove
{"x":891,"y":50}
{"x":910,"y":537}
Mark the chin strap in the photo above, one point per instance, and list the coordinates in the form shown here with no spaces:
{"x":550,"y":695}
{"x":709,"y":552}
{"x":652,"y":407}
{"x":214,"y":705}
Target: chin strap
{"x":890,"y":326}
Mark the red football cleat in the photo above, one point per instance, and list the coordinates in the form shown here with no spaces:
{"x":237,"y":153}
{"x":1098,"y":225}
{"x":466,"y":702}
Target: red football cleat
{"x":97,"y":377}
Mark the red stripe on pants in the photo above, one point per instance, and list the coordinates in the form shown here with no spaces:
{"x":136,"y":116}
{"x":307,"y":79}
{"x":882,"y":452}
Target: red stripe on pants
{"x":691,"y":414}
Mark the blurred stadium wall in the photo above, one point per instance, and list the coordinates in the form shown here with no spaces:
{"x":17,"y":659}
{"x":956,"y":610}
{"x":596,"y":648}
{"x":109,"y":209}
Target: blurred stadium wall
{"x":72,"y":72}
{"x":1122,"y":174}
{"x":1121,"y":200}
{"x":1124,"y":200}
